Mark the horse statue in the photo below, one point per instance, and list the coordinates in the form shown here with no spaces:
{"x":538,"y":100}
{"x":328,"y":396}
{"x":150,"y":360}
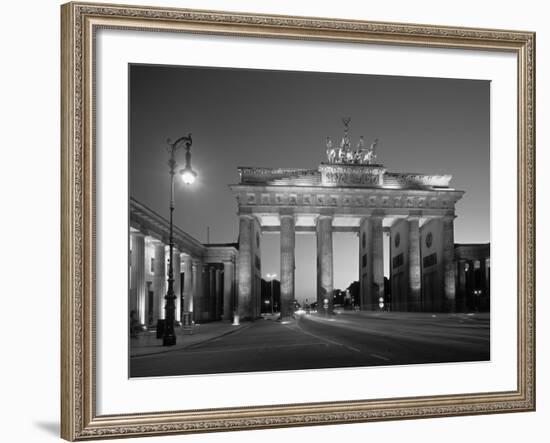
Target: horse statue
{"x":369,"y":155}
{"x":358,"y":153}
{"x":331,"y":152}
{"x":372,"y":150}
{"x":341,"y":154}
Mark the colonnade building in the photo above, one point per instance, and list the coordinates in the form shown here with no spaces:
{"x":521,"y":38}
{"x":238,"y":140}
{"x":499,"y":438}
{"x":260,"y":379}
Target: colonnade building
{"x":473,"y":277}
{"x":204,"y":275}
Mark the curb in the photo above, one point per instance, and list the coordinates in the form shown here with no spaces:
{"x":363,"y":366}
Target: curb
{"x":206,"y":340}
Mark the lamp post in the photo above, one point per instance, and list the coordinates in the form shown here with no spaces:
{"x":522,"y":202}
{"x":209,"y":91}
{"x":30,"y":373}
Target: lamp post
{"x":271,"y":277}
{"x":188,"y":177}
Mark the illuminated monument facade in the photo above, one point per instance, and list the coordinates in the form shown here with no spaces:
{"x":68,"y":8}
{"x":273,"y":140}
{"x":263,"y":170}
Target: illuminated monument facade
{"x":350,"y":192}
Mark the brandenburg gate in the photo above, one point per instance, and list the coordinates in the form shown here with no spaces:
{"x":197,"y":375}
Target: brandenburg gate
{"x":350,"y":192}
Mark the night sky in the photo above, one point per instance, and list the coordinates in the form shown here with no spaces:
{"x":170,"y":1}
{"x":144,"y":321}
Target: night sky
{"x":281,"y":119}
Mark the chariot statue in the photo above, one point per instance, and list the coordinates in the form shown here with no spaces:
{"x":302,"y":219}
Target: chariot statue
{"x":344,"y":154}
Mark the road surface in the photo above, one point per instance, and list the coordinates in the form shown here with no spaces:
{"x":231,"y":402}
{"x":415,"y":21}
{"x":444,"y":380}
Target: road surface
{"x":344,"y":340}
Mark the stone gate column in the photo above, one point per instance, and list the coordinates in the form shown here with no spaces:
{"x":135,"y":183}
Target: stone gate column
{"x":137,"y":281}
{"x":159,"y":280}
{"x":325,"y":272}
{"x":448,"y":263}
{"x":176,"y":264}
{"x":245,"y":264}
{"x":365,"y":261}
{"x":413,"y":302}
{"x":228,"y":283}
{"x":377,"y":245}
{"x":288,"y":239}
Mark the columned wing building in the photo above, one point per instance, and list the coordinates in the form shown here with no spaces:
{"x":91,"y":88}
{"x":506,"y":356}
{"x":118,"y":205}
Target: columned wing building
{"x":351,"y":192}
{"x":204,"y":274}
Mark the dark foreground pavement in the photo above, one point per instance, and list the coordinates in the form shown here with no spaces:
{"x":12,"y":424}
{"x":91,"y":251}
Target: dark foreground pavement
{"x":314,"y":342}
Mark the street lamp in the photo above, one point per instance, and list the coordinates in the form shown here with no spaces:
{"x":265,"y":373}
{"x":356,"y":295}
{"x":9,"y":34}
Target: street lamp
{"x":187,"y":174}
{"x":188,"y":177}
{"x":271,"y":277}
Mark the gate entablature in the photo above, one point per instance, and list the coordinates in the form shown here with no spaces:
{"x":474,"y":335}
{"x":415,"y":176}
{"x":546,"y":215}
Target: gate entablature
{"x":343,"y":175}
{"x":343,"y":200}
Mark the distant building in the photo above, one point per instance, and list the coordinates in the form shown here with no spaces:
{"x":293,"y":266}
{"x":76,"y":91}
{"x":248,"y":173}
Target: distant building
{"x":473,"y":276}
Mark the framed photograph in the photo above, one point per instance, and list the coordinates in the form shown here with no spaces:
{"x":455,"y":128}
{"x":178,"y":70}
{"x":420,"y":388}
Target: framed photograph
{"x":283,"y":221}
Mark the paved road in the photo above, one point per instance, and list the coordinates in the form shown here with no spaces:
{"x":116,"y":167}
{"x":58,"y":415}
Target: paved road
{"x":343,"y":340}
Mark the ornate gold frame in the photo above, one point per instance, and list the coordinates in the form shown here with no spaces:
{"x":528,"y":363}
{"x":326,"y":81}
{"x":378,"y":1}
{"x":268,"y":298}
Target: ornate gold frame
{"x":79,"y":420}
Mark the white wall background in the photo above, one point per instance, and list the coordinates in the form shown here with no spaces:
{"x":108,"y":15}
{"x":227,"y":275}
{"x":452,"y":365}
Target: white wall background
{"x":29,"y":221}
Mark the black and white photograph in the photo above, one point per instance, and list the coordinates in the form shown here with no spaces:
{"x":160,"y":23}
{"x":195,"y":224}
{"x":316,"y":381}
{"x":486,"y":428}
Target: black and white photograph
{"x":288,"y":220}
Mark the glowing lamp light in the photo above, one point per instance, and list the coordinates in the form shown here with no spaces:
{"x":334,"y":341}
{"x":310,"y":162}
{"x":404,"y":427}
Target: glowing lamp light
{"x":188,"y":175}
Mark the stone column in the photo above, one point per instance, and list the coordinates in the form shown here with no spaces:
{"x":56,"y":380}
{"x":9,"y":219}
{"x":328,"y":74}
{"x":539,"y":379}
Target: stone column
{"x":484,"y":299}
{"x":137,"y":280}
{"x":176,"y":264}
{"x":193,"y":304}
{"x":377,"y":245}
{"x":482,"y":276}
{"x":287,"y":265}
{"x":448,"y":267}
{"x":461,"y":296}
{"x":413,"y":302}
{"x":470,"y":282}
{"x":208,"y":290}
{"x":201,"y":304}
{"x":228,"y":282}
{"x":188,"y":283}
{"x":325,"y":272}
{"x":205,"y":297}
{"x":256,"y":300}
{"x":159,"y":280}
{"x":213,"y":292}
{"x":245,"y":265}
{"x":218,"y":300}
{"x":365,"y":262}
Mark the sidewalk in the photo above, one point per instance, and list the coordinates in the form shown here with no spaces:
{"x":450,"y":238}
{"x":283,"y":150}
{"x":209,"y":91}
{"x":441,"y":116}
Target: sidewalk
{"x":147,"y":343}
